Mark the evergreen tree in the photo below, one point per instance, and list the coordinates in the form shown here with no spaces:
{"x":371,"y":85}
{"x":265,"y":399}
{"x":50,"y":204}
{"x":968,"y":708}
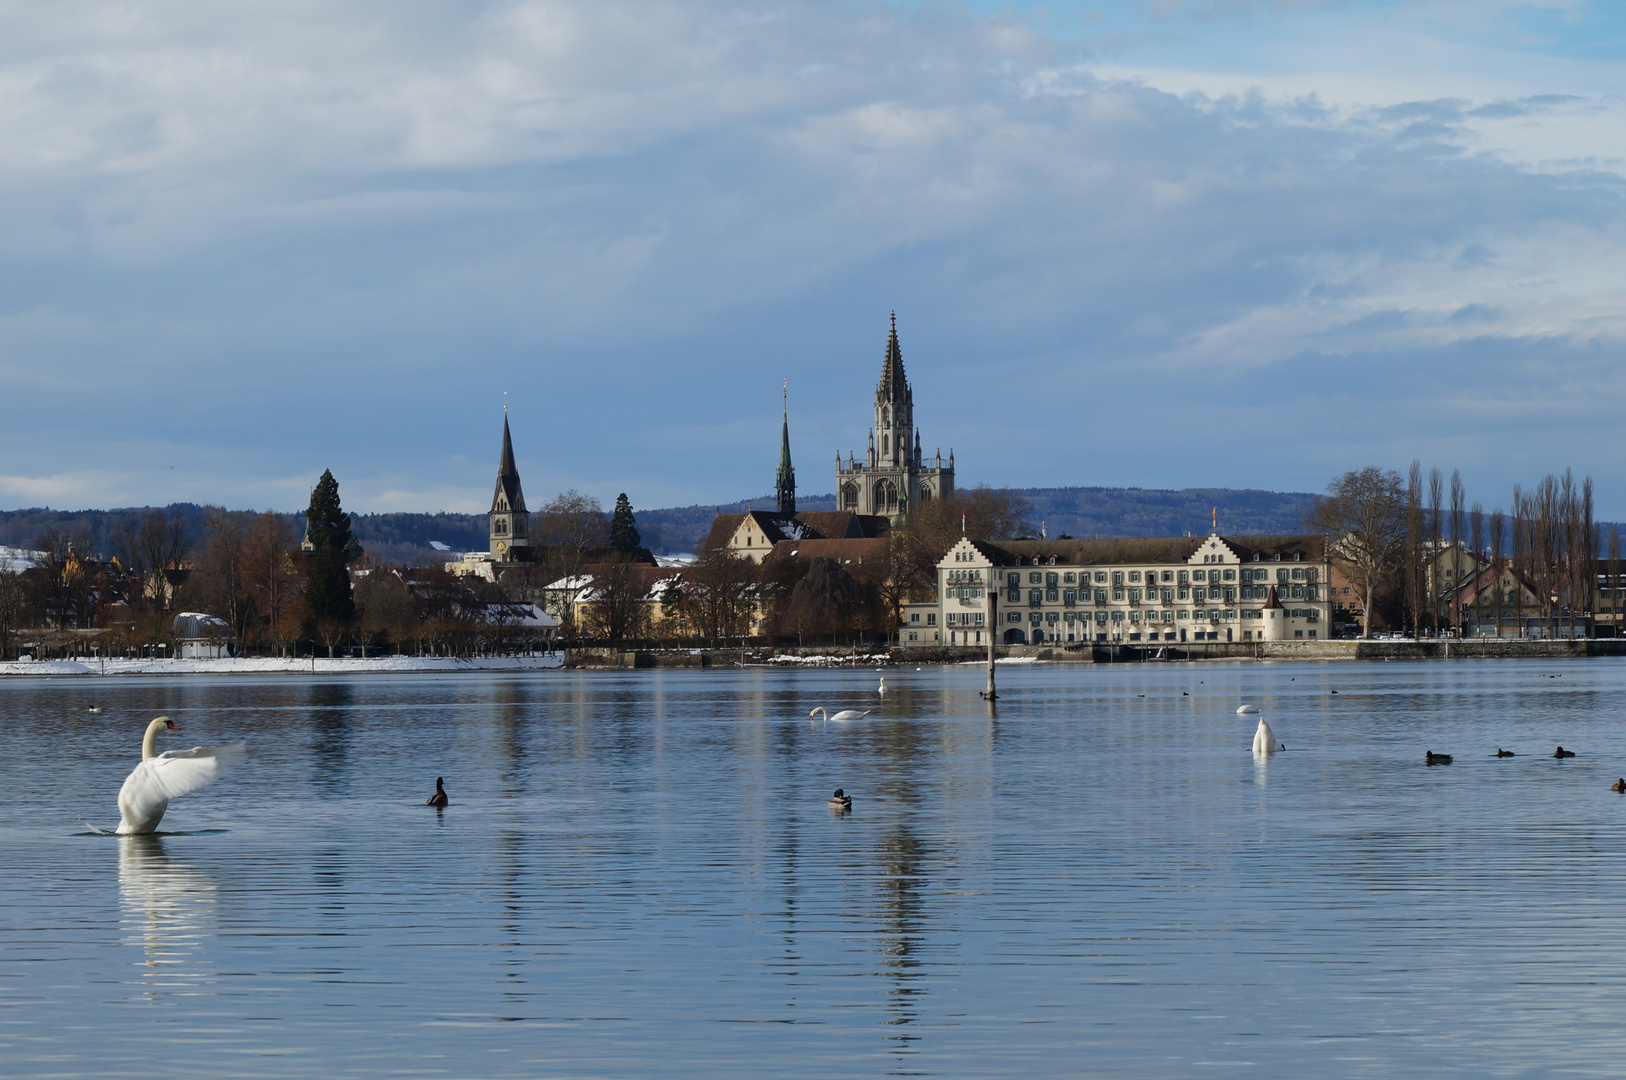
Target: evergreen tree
{"x":328,"y":603}
{"x":624,"y":528}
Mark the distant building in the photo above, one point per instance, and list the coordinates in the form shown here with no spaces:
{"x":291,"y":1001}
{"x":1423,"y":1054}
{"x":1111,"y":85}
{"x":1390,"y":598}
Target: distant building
{"x":1175,"y":589}
{"x":753,"y":534}
{"x":894,"y":476}
{"x":201,"y":637}
{"x":510,"y":521}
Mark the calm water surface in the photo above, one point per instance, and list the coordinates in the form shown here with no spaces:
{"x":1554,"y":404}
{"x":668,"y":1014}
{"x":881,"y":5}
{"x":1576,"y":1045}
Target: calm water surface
{"x":638,"y":876}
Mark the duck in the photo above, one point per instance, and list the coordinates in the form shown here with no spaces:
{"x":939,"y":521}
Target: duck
{"x":1563,"y":753}
{"x":844,"y":714}
{"x":1264,"y":740}
{"x":1431,"y":758}
{"x":840,"y":801}
{"x":146,"y":792}
{"x":1619,"y":785}
{"x":94,"y":708}
{"x":1503,"y":753}
{"x":438,"y":799}
{"x":1335,"y":691}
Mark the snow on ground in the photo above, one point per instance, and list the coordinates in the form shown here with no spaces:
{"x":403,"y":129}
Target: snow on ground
{"x":831,"y":660}
{"x":252,"y":665}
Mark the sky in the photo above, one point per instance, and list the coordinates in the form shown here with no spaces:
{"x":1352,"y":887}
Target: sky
{"x":1148,"y":243}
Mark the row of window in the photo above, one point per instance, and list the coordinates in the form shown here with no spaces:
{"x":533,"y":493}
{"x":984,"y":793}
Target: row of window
{"x":1040,"y":560}
{"x":1035,"y":597}
{"x":1199,"y":614}
{"x":1054,"y":578}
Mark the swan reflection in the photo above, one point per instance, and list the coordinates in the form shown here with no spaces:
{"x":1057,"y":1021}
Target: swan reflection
{"x":167,"y":907}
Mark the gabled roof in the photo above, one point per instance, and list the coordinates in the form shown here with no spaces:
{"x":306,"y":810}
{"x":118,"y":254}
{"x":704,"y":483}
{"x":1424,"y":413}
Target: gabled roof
{"x":1157,"y":549}
{"x":814,"y":525}
{"x":845,"y":550}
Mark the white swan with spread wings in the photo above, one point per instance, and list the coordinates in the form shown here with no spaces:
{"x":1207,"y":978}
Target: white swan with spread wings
{"x":162,"y":777}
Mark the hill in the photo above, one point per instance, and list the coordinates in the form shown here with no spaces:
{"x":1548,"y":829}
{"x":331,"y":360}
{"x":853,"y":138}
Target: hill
{"x":1075,"y":511}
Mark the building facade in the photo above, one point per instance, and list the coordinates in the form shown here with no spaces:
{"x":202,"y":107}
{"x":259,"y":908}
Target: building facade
{"x":894,"y":475}
{"x":1177,"y":589}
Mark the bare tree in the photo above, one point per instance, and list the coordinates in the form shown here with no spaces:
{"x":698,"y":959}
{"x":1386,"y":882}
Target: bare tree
{"x":1415,"y":548}
{"x":271,"y":577}
{"x":218,"y":584}
{"x":1458,"y":497}
{"x":1476,"y":537}
{"x":1498,"y":532}
{"x":1616,"y":604}
{"x":1364,"y":515}
{"x":718,"y":594}
{"x":1436,"y":497}
{"x":618,"y":608}
{"x":13,"y":601}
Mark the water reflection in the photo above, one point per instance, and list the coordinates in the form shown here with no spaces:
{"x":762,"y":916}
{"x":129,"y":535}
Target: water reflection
{"x":167,"y":907}
{"x":330,"y":704}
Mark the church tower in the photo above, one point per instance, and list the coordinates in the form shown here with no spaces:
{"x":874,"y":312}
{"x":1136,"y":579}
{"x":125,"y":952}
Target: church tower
{"x":894,"y":475}
{"x":785,"y":480}
{"x":510,"y":522}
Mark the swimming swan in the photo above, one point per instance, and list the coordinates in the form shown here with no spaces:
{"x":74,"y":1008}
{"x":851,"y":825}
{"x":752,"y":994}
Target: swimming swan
{"x":882,"y":688}
{"x":1264,"y":740}
{"x":1246,"y":710}
{"x":844,"y":714}
{"x":162,"y":777}
{"x":438,"y":799}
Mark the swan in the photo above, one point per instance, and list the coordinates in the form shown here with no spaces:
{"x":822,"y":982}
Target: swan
{"x":844,"y":714}
{"x":162,"y":777}
{"x":882,"y":688}
{"x":840,"y":801}
{"x":1431,"y":758}
{"x":1561,"y":753}
{"x":438,"y":799}
{"x":1264,"y":740}
{"x":1503,"y":753}
{"x":1246,"y":710}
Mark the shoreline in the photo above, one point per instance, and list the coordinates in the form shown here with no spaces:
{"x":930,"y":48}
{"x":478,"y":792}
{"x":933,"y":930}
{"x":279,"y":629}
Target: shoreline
{"x":275,"y":665}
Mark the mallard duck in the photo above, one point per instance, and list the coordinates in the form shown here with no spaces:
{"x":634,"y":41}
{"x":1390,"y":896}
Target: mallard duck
{"x":1503,"y":753}
{"x":1431,"y":758}
{"x":1561,"y":753}
{"x":438,"y":799}
{"x":840,"y":801}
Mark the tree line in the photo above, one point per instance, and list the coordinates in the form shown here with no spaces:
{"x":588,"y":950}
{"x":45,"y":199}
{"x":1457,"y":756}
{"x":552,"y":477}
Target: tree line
{"x":1422,"y":557}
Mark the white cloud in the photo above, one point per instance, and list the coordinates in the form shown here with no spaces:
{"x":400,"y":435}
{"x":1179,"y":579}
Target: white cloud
{"x":272,"y":240}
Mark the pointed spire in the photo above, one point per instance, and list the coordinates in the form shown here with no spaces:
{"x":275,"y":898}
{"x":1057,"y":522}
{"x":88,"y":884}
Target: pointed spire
{"x":785,"y":480}
{"x":508,"y":488}
{"x":894,"y":386}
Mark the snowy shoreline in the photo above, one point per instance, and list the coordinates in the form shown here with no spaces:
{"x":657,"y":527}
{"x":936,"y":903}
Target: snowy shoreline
{"x":277,"y":665}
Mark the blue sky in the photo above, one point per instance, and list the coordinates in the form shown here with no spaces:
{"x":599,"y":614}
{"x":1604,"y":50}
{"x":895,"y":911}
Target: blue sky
{"x":1165,"y":244}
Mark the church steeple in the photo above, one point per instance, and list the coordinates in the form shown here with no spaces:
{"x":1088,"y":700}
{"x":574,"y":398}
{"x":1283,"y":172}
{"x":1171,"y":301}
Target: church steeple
{"x":894,"y":407}
{"x":510,"y":520}
{"x":785,"y":479}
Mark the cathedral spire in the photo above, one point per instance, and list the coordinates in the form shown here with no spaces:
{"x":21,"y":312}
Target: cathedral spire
{"x":786,"y":477}
{"x":894,"y":386}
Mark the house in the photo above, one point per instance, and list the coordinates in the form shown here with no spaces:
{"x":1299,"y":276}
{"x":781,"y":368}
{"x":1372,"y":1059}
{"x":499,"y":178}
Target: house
{"x":201,"y":637}
{"x":753,"y":534}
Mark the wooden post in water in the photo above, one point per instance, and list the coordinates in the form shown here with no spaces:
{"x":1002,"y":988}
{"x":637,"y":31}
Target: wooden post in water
{"x":993,"y":605}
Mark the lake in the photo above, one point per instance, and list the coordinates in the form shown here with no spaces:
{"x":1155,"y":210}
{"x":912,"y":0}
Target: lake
{"x":638,"y":875}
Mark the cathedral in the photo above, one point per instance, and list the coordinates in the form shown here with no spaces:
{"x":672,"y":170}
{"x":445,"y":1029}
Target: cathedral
{"x":894,"y":476}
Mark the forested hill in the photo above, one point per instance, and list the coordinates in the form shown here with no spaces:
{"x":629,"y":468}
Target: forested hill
{"x":1076,"y":511}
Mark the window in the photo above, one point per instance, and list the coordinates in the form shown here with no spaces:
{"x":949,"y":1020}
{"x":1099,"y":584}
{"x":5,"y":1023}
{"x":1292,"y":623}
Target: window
{"x":1181,"y":614}
{"x":1034,"y":577}
{"x":1230,"y":575}
{"x":1185,"y":594}
{"x":1070,"y":597}
{"x":1100,"y":577}
{"x":1014,"y":616}
{"x":1281,"y":575}
{"x":1199,"y":575}
{"x":1072,"y":616}
{"x":1298,"y":574}
{"x":1070,"y":577}
{"x":1168,"y":575}
{"x":1117,"y":577}
{"x":1051,"y":595}
{"x":1051,"y":580}
{"x":1013,"y":578}
{"x":931,"y":618}
{"x":1134,"y":616}
{"x":914,"y":616}
{"x":1117,"y":616}
{"x":1183,"y":577}
{"x":1117,"y":594}
{"x":1052,"y":616}
{"x":1199,"y":595}
{"x":1034,"y":597}
{"x":1034,"y":617}
{"x":1134,"y":575}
